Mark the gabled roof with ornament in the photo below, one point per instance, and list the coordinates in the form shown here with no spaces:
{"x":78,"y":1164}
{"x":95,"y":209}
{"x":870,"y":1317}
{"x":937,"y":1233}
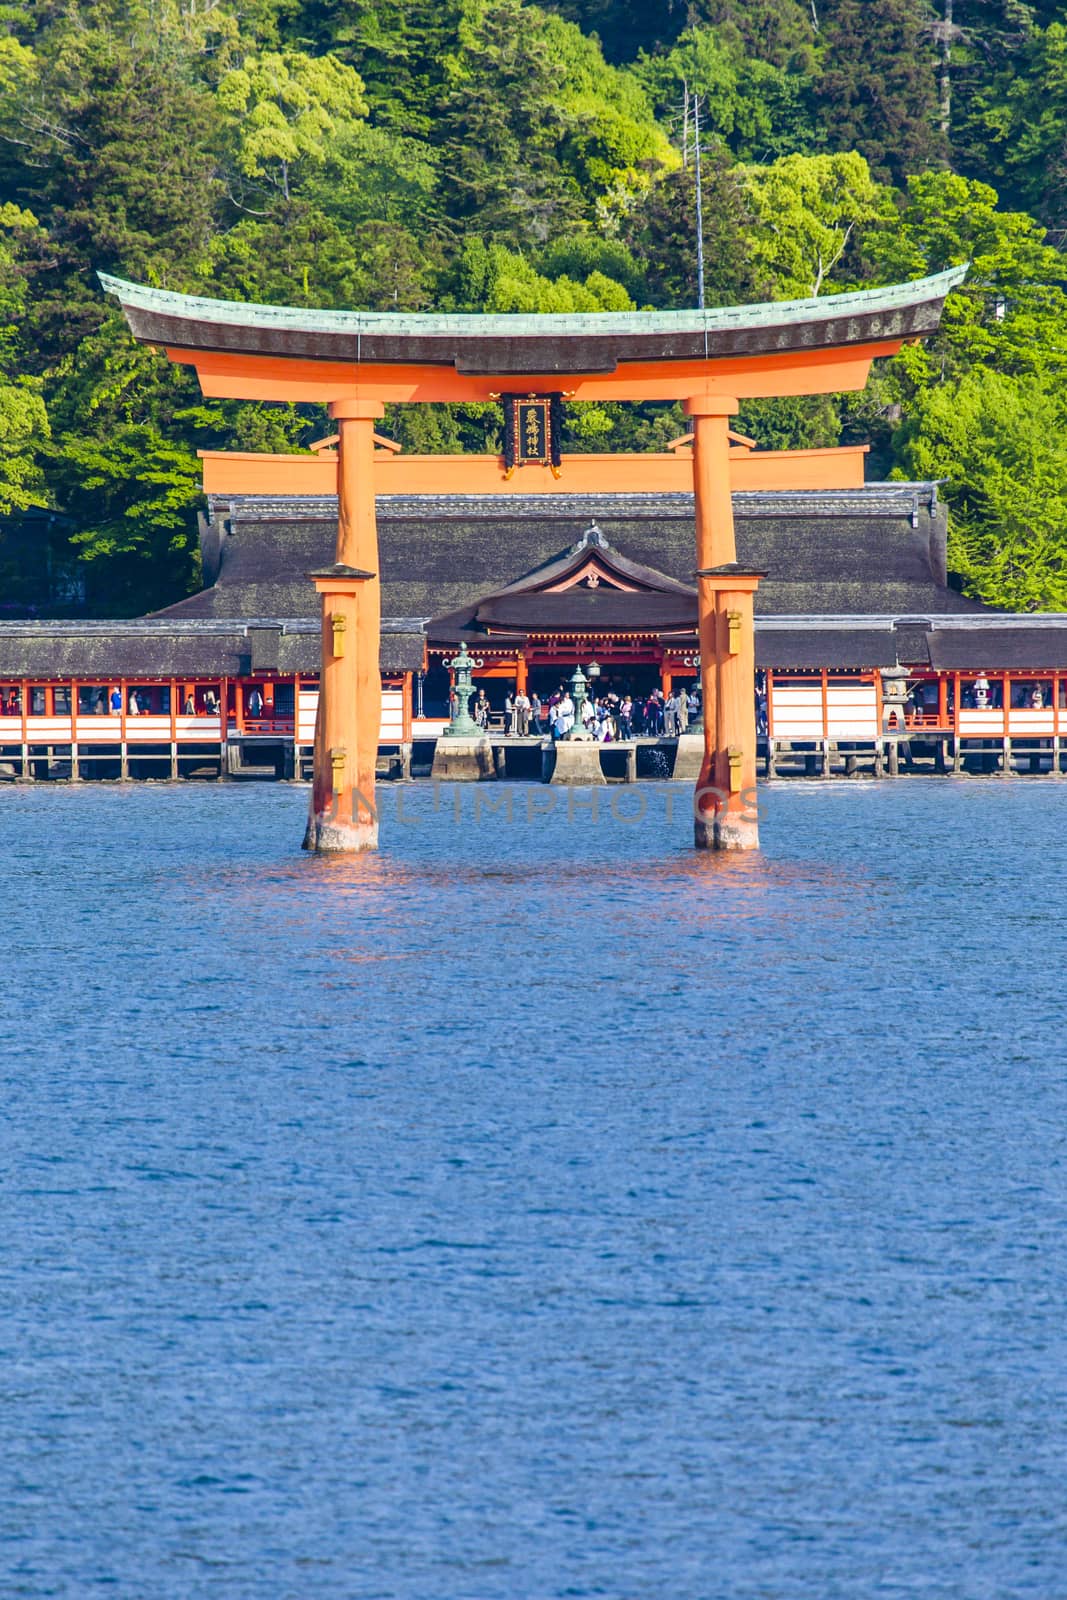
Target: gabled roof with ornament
{"x":588,"y":589}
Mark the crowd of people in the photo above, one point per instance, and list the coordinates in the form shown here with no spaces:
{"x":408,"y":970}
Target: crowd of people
{"x":606,"y":717}
{"x":108,"y":702}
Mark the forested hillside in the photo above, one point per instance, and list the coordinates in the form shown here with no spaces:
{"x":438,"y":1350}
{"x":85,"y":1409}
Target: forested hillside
{"x":497,"y":155}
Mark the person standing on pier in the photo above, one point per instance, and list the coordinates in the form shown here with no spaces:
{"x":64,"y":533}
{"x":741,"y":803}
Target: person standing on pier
{"x":522,"y":714}
{"x":670,"y":716}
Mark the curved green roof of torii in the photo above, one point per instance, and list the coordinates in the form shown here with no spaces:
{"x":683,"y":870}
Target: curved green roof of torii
{"x":517,"y":343}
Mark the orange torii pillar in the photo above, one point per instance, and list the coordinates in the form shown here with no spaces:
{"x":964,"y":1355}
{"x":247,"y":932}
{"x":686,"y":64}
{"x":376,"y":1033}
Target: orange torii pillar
{"x":348,"y":725}
{"x":725,"y":801}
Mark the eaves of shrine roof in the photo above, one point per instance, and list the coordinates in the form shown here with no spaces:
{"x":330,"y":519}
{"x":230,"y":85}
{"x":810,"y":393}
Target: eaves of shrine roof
{"x":516,"y":343}
{"x":872,"y":500}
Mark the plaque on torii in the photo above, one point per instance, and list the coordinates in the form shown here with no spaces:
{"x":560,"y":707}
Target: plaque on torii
{"x":533,"y":425}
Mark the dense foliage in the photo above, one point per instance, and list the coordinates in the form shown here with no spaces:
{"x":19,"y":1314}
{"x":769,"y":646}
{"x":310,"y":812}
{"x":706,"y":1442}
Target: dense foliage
{"x":494,"y":154}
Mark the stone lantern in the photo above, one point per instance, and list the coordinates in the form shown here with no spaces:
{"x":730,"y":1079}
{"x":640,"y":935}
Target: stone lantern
{"x":463,"y":725}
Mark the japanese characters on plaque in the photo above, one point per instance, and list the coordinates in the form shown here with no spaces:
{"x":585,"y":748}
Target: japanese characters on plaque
{"x":532,"y":428}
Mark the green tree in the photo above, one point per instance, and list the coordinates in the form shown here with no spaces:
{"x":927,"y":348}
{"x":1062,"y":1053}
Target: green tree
{"x":371,"y":175}
{"x":489,"y":277}
{"x":132,"y":495}
{"x":613,"y":144}
{"x":999,"y":442}
{"x":282,"y":110}
{"x":781,"y":32}
{"x":1011,"y":313}
{"x":405,"y":52}
{"x":577,"y":255}
{"x":538,"y":134}
{"x":807,"y":210}
{"x":796,"y":422}
{"x":24,"y":426}
{"x":23,"y":431}
{"x":755,"y":108}
{"x":661,"y":232}
{"x":877,"y":86}
{"x":1015,"y":125}
{"x":115,"y":148}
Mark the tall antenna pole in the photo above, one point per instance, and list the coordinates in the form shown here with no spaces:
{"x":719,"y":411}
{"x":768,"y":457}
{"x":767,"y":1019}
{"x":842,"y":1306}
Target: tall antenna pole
{"x":700,"y":204}
{"x":685,"y":123}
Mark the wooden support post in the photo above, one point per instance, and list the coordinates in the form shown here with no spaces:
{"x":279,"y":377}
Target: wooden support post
{"x":24,"y":691}
{"x":74,"y":773}
{"x":1056,"y":725}
{"x":407,"y":692}
{"x":725,"y":802}
{"x":343,"y":812}
{"x":224,"y":723}
{"x":124,"y":749}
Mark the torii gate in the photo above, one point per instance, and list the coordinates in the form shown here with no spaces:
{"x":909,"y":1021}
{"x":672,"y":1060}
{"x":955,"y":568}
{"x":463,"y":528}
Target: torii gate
{"x":356,"y":361}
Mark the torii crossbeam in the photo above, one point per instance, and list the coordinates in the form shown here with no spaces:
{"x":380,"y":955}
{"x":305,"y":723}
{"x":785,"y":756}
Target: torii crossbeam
{"x":356,"y":361}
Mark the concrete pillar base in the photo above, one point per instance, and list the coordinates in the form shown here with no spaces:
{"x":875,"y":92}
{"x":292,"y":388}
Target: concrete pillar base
{"x":577,"y":763}
{"x":688,"y":758}
{"x":726,"y":833}
{"x":463,"y":760}
{"x":327,"y":837}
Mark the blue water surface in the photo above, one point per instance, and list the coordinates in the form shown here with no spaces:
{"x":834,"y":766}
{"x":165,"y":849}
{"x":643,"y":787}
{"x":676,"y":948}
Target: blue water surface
{"x":535,"y":1208}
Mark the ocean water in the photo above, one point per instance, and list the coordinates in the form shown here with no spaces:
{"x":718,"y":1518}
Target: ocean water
{"x":535,"y":1208}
